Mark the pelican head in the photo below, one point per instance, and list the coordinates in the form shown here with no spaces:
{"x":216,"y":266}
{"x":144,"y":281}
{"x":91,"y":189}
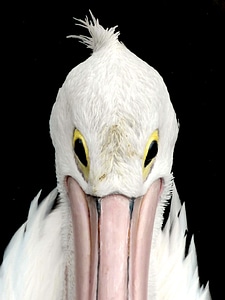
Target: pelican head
{"x":114,"y":130}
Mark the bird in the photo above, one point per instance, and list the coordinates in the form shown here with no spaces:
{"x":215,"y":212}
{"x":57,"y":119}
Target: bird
{"x":102,"y":232}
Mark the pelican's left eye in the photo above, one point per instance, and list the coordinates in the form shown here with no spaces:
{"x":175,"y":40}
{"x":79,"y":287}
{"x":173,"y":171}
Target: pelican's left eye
{"x":150,"y":153}
{"x":81,"y":153}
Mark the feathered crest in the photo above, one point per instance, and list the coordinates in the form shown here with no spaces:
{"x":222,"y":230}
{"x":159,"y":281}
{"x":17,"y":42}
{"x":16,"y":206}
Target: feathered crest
{"x":99,"y":36}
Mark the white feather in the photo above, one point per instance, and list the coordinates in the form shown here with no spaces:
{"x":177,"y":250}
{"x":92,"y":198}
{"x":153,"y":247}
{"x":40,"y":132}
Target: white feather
{"x":99,"y":35}
{"x":176,"y":274}
{"x":33,"y":264}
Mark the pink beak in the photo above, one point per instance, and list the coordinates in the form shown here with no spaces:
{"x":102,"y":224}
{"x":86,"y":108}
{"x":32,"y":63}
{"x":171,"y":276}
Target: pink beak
{"x":112,"y":242}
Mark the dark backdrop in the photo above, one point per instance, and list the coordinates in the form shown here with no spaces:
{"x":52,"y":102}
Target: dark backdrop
{"x":183,"y":40}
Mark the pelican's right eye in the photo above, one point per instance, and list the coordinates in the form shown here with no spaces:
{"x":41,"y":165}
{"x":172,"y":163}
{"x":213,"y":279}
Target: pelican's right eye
{"x":81,"y":153}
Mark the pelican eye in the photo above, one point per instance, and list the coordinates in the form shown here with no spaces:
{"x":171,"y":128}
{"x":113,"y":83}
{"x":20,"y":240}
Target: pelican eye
{"x":151,"y":150}
{"x":81,"y":153}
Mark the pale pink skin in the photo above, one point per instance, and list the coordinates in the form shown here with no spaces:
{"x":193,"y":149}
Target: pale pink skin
{"x":112,"y":244}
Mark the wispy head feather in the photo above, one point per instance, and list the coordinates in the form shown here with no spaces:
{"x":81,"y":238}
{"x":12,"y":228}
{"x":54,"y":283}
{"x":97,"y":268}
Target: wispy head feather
{"x":99,"y":36}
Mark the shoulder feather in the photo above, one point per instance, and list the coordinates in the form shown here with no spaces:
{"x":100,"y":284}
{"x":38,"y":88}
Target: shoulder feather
{"x":33,"y":262}
{"x":177,"y":276}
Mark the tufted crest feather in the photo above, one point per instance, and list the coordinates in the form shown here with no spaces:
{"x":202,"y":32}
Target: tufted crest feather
{"x":99,"y":36}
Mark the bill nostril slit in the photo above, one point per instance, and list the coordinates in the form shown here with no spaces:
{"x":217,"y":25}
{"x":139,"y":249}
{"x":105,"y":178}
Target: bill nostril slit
{"x":131,"y":206}
{"x":98,"y":208}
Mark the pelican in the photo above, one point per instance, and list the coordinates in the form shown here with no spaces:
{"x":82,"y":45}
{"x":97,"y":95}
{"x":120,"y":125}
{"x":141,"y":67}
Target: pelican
{"x":101,"y":234}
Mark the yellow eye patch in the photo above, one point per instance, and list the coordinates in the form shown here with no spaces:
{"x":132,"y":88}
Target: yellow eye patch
{"x":151,"y":150}
{"x":81,"y":153}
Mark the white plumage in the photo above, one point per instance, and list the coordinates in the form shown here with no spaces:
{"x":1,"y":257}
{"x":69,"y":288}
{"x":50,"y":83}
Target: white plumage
{"x":34,"y":263}
{"x":115,"y":101}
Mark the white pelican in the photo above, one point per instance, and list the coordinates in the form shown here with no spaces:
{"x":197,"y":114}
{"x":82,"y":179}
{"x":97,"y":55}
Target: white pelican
{"x":114,"y":130}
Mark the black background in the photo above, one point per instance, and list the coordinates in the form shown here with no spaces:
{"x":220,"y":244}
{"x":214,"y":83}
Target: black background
{"x":183,"y":40}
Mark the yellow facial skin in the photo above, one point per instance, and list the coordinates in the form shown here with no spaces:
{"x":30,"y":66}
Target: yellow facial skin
{"x":81,"y":153}
{"x":150,"y":152}
{"x":83,"y":161}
